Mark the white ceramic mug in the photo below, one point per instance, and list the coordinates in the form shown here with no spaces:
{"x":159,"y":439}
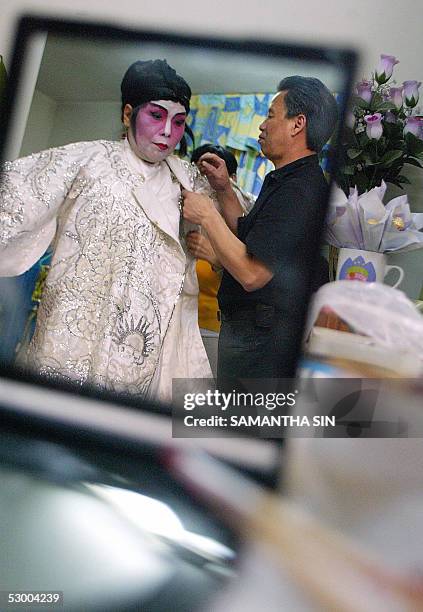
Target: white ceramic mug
{"x":367,"y":266}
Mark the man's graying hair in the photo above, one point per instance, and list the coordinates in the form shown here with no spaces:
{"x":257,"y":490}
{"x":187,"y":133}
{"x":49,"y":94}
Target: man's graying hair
{"x":308,"y":96}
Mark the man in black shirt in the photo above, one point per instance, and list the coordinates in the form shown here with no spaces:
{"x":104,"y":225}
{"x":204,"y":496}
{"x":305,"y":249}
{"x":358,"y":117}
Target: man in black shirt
{"x":264,"y":275}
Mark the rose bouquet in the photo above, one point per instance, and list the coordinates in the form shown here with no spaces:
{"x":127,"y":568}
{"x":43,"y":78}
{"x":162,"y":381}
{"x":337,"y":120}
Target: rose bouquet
{"x":383,"y":132}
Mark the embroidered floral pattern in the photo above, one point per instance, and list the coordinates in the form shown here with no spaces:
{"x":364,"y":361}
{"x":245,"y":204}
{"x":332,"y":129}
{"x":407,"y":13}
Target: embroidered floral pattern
{"x":115,"y":277}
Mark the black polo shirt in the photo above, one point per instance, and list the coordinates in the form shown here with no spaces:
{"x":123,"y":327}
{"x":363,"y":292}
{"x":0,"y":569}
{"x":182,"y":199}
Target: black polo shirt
{"x":276,"y":232}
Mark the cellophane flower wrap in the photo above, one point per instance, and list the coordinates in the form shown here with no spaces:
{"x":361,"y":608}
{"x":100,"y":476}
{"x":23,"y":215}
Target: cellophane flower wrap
{"x":365,"y":222}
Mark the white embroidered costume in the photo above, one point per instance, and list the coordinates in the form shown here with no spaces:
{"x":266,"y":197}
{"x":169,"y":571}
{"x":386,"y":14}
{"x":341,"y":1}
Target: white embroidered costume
{"x":119,"y":307}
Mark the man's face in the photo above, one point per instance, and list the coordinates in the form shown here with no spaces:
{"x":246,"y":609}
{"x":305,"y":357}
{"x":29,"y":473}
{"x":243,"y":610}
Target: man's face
{"x":275,"y":131}
{"x":159,"y":127}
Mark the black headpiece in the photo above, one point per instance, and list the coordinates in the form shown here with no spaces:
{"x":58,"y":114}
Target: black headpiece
{"x":145,"y":81}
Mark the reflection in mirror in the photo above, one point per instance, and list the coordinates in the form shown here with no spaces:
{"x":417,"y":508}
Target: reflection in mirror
{"x":103,"y":281}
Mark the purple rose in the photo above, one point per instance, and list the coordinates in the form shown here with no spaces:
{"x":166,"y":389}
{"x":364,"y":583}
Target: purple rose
{"x":413,"y":125}
{"x":364,"y":90}
{"x":395,"y":96}
{"x":411,"y":93}
{"x":385,"y":68}
{"x":374,"y":129}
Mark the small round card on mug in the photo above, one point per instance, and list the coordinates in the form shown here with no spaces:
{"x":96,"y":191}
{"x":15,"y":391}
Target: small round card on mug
{"x":366,"y":266}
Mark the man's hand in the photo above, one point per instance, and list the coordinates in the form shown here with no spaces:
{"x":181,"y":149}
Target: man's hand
{"x":200,"y":246}
{"x":214,"y":168}
{"x":197,"y":207}
{"x":231,"y":252}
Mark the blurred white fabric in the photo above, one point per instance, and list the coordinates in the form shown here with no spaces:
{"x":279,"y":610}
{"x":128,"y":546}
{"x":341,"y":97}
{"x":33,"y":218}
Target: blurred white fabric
{"x":376,"y":310}
{"x":371,"y":489}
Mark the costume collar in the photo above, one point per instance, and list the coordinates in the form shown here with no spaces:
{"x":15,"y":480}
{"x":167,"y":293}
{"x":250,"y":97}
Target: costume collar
{"x":146,"y":170}
{"x":145,"y":195}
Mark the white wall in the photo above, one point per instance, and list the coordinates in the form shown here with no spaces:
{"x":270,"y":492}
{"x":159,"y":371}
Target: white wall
{"x":382,"y":26}
{"x":40,"y":124}
{"x":86,"y":121}
{"x":51,"y":124}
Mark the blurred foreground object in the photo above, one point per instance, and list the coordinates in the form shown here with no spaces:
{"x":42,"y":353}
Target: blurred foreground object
{"x":321,"y":568}
{"x":386,"y":328}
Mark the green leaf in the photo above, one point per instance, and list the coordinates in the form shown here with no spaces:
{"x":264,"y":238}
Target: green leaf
{"x":393,"y":130}
{"x":395,"y":182}
{"x":414,"y":144}
{"x":376,"y":101}
{"x":350,"y":170}
{"x":413,"y":162}
{"x":362,"y":182}
{"x":353,"y":153}
{"x":395,"y":169}
{"x":390,"y":157}
{"x":403,"y":180}
{"x":368,"y":144}
{"x":384,"y":106}
{"x":360,"y":103}
{"x":369,"y":162}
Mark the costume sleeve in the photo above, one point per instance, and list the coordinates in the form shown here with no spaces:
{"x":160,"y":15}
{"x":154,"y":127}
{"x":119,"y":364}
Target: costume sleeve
{"x":201,"y":184}
{"x":245,"y":199}
{"x":32,"y":190}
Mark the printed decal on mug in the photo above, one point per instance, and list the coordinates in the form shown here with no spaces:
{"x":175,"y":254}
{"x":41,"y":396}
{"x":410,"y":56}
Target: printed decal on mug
{"x":358,"y":269}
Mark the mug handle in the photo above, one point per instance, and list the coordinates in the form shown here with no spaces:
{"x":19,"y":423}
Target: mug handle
{"x":401,"y":274}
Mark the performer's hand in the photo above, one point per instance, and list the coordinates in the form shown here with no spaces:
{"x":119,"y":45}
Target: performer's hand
{"x":214,"y":168}
{"x":196,"y":206}
{"x":200,"y":246}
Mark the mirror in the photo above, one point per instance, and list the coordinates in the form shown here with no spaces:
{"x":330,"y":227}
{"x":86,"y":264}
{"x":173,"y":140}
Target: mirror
{"x":80,"y":275}
{"x":102,"y":524}
{"x":91,"y":282}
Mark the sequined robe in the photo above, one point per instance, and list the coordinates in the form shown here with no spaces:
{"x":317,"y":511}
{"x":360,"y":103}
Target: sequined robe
{"x":119,"y":307}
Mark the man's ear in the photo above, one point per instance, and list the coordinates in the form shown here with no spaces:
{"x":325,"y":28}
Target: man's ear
{"x":126,"y":115}
{"x":299,"y":124}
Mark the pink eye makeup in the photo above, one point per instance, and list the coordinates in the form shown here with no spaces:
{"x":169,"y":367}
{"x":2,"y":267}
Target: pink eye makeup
{"x":159,"y":127}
